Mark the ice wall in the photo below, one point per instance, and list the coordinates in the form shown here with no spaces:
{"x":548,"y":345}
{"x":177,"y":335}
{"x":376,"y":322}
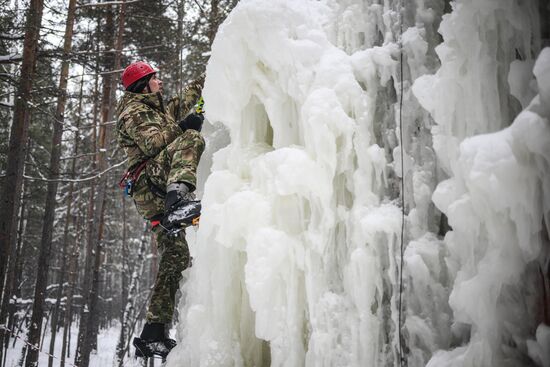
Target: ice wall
{"x":495,"y":198}
{"x":298,"y":256}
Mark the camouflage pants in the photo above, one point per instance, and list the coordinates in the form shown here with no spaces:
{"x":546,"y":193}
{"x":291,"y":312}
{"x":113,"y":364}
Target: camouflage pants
{"x":176,"y":163}
{"x":174,"y":259}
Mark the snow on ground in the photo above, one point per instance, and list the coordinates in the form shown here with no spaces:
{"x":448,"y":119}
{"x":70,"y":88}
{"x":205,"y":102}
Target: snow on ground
{"x":104,"y":356}
{"x":297,"y":260}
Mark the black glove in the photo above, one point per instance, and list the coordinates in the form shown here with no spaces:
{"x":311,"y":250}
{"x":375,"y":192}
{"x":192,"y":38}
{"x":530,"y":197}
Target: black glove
{"x":193,"y":121}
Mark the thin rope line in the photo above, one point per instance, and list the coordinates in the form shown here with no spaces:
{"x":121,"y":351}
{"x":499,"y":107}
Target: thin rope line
{"x":402,"y":361}
{"x":35,"y":347}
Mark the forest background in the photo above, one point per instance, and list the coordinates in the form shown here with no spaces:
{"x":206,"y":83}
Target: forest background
{"x":74,"y":254}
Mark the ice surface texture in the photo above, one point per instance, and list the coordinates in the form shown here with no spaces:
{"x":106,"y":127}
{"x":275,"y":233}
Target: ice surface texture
{"x":297,"y":258}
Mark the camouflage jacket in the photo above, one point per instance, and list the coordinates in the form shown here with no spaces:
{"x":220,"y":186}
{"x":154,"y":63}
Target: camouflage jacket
{"x":145,"y":125}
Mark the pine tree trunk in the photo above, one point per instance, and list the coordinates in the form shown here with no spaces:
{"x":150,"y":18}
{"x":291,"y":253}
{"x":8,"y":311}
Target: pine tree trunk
{"x":41,"y":340}
{"x":55,"y":311}
{"x":9,"y":206}
{"x":65,"y":352}
{"x":137,"y":285}
{"x":130,"y":308}
{"x":15,"y":288}
{"x":179,"y":44}
{"x":8,"y":308}
{"x":69,"y":218}
{"x":92,"y":329}
{"x":21,"y":254}
{"x":87,"y":281}
{"x":70,"y":284}
{"x":214,"y":20}
{"x":90,"y":216}
{"x":49,"y":213}
{"x":109,"y":98}
{"x":124,"y":294}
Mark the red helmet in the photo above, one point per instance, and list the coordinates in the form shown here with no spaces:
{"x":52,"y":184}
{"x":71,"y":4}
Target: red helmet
{"x":135,"y":71}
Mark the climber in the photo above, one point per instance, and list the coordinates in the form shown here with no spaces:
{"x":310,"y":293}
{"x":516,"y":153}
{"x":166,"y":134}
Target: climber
{"x":163,"y":145}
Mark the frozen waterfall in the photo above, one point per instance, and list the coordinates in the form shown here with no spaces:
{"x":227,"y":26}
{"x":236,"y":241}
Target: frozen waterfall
{"x":335,"y":120}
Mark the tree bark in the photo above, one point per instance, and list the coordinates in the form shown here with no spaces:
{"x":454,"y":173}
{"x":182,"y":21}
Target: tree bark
{"x":125,"y":295}
{"x":7,"y":307}
{"x":109,"y":99}
{"x":15,"y":289}
{"x":214,"y":20}
{"x":65,"y":351}
{"x":136,"y":285}
{"x":41,"y":340}
{"x":73,"y":250}
{"x":130,"y":309}
{"x":87,"y":282}
{"x":49,"y":212}
{"x":56,"y":308}
{"x":9,"y":206}
{"x":179,"y":44}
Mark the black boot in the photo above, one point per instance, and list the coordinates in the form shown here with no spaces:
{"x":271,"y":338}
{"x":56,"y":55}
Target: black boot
{"x":153,"y":341}
{"x":179,"y":211}
{"x":154,"y":331}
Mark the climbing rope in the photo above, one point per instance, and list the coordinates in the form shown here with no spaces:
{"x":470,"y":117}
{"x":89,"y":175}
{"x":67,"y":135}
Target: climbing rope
{"x":402,"y":360}
{"x":35,"y":347}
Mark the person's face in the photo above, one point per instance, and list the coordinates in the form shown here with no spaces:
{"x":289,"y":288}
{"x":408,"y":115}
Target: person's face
{"x":155,"y":84}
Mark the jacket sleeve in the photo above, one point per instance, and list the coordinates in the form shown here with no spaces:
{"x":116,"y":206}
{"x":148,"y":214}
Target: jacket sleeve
{"x":149,"y":133}
{"x":178,"y":107}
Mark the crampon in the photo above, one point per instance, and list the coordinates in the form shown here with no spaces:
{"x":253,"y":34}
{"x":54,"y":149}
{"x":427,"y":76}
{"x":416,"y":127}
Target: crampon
{"x":153,"y":349}
{"x":185,"y":215}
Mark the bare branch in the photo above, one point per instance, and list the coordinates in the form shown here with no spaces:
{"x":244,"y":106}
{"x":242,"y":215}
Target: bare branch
{"x":12,"y":37}
{"x":108,"y":3}
{"x":85,"y":179}
{"x":79,"y":156}
{"x":8,"y":59}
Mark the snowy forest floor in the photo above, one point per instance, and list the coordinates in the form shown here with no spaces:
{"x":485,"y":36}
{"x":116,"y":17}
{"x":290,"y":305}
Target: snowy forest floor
{"x":104,"y":356}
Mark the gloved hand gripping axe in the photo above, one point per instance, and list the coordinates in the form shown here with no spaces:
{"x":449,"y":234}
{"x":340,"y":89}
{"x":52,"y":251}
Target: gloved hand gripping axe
{"x":199,"y":106}
{"x":195,"y":117}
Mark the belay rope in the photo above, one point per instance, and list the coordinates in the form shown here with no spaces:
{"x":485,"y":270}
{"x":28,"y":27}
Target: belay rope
{"x":402,"y":360}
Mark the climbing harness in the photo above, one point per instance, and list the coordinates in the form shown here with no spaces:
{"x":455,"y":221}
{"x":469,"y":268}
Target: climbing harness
{"x":127,"y":181}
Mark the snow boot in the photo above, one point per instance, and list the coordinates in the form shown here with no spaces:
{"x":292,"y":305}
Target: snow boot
{"x":153,"y":342}
{"x":179,"y":211}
